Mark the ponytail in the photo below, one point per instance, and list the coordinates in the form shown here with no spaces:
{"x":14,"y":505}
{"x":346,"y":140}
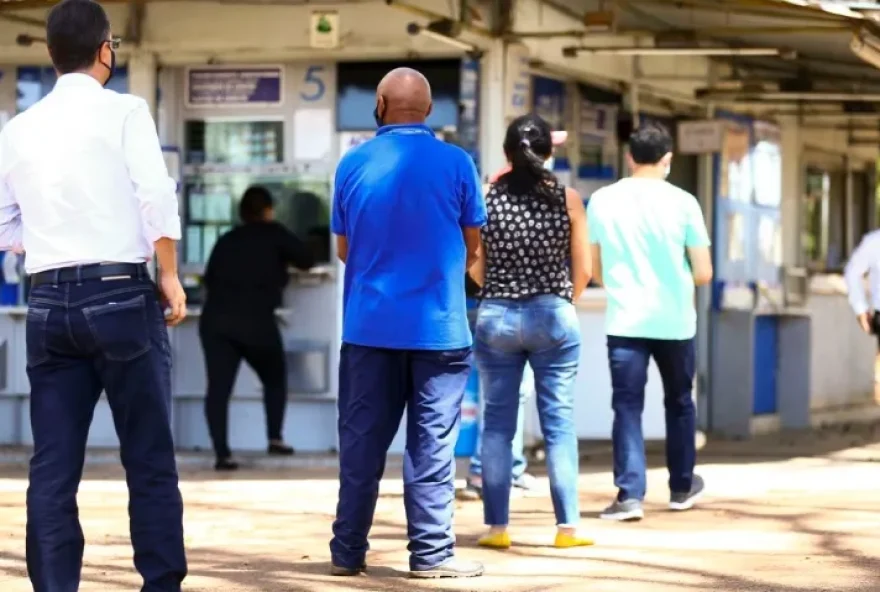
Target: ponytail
{"x":527,"y":172}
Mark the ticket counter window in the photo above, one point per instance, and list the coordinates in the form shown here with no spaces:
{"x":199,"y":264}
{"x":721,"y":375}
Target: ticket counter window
{"x":225,"y":157}
{"x":35,"y":82}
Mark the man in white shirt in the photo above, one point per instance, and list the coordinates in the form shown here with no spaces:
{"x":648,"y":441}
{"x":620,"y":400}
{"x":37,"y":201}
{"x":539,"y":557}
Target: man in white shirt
{"x":85,"y":193}
{"x":865,"y":260}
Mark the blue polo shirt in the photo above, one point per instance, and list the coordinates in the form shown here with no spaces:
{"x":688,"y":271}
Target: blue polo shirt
{"x":401,"y":200}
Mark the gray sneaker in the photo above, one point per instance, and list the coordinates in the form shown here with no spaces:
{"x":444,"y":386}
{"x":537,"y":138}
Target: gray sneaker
{"x":453,"y":568}
{"x":525,"y":483}
{"x":623,"y":511}
{"x":473,"y":490}
{"x":685,"y":501}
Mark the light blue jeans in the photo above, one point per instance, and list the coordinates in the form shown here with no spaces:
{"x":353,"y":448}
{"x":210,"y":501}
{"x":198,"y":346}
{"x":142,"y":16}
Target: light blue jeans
{"x":520,"y":464}
{"x":542,"y":331}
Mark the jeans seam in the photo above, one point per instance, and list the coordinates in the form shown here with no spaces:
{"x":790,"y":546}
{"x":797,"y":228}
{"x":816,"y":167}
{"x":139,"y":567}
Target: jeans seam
{"x":117,"y":292}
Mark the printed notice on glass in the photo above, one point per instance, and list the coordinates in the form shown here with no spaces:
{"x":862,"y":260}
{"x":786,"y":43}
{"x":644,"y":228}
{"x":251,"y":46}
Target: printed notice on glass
{"x":193,"y":244}
{"x":218,"y":207}
{"x":209,"y":238}
{"x":196,"y":206}
{"x":229,"y":87}
{"x":312,"y":134}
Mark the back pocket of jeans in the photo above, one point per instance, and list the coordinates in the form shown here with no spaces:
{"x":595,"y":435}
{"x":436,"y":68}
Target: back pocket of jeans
{"x":35,"y":330}
{"x":120,"y":329}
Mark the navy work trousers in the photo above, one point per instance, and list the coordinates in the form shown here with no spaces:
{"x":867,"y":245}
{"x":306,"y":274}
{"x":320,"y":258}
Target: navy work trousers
{"x":82,"y":339}
{"x":375,"y":387}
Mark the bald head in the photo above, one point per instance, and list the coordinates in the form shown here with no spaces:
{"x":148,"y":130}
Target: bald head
{"x":403,"y":96}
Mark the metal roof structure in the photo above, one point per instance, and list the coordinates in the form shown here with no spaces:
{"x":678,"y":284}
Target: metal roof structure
{"x":819,"y":39}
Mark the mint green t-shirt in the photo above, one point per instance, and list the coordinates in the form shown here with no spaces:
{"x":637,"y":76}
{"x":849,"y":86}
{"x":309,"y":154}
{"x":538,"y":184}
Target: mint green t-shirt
{"x":643,"y":227}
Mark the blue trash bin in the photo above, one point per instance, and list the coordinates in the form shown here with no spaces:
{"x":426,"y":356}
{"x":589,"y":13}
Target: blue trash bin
{"x":466,"y":446}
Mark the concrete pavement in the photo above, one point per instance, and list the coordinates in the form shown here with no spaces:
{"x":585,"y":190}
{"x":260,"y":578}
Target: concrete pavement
{"x":810,"y":522}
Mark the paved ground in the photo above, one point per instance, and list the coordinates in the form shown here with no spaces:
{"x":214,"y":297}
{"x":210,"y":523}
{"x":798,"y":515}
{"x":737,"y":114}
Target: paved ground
{"x":769,"y":523}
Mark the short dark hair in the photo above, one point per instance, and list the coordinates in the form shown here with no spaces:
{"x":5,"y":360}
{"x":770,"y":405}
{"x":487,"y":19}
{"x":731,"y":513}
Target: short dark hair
{"x":649,"y":143}
{"x":254,"y":203}
{"x":75,"y":32}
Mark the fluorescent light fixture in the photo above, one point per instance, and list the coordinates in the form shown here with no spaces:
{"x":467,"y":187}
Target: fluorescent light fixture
{"x":683,"y":51}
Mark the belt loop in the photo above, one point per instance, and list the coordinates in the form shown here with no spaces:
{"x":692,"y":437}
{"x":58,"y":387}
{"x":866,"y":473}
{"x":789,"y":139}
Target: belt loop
{"x":56,"y":276}
{"x":78,"y":275}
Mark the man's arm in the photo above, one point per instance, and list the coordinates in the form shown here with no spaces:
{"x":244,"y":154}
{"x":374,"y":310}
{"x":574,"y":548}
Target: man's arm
{"x":337,"y":217}
{"x":866,"y":254}
{"x":473,"y":211}
{"x":156,"y":194}
{"x":593,"y":220}
{"x":10,"y":214}
{"x":596,"y":258}
{"x":295,"y":252}
{"x":697,"y":244}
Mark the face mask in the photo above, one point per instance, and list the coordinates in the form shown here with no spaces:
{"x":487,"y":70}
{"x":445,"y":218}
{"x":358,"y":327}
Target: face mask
{"x":548,"y":164}
{"x":377,"y":117}
{"x":111,"y":69}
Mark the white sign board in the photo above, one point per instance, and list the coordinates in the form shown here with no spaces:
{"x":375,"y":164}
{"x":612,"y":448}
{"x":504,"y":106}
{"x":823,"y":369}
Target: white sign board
{"x":324,"y":32}
{"x":700,"y":137}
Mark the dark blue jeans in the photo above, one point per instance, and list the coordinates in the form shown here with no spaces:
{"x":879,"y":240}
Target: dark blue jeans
{"x":83,"y":339}
{"x":628,"y":359}
{"x":375,"y":386}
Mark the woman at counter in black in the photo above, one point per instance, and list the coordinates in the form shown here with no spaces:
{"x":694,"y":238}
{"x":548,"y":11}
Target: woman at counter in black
{"x":244,"y":280}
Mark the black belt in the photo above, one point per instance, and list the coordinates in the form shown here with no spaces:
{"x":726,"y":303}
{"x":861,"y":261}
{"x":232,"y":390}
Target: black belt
{"x":95,"y":271}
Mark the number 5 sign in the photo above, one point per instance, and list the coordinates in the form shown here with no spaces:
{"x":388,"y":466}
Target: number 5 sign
{"x":314,"y":85}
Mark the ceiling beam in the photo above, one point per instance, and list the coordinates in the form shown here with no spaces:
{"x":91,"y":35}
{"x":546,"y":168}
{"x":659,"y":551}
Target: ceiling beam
{"x":746,"y":7}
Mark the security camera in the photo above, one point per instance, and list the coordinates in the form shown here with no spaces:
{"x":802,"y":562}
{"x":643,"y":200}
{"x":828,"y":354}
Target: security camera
{"x":413,"y":29}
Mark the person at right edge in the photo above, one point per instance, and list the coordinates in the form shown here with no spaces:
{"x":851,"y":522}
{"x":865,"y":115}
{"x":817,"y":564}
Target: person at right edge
{"x":85,"y":192}
{"x":650,"y":248}
{"x":535,"y":263}
{"x":865,"y":260}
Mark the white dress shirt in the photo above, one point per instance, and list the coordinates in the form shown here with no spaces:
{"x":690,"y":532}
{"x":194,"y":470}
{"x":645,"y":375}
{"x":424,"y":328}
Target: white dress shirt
{"x":83,"y":179}
{"x":865,"y":260}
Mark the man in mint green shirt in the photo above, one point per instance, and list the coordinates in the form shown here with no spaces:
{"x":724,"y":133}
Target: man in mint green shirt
{"x":650,"y":248}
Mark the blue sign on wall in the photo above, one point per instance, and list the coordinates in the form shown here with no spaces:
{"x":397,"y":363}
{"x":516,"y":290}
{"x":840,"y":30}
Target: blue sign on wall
{"x":35,"y":82}
{"x":234,"y":86}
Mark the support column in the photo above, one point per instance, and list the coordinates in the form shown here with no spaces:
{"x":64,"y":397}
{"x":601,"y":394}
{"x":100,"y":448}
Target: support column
{"x":493,"y":101}
{"x":792,"y":190}
{"x":8,"y":79}
{"x":142,"y":77}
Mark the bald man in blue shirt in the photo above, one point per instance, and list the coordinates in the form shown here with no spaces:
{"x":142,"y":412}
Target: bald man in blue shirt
{"x":407,"y":213}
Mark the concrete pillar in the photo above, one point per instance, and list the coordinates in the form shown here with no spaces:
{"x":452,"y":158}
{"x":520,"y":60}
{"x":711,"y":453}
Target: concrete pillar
{"x":792,"y":190}
{"x":493,"y":101}
{"x":142,"y":78}
{"x":8,"y":80}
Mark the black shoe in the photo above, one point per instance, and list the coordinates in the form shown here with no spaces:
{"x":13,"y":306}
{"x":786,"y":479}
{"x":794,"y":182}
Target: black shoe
{"x":453,"y":568}
{"x":225,"y":464}
{"x":346,"y":572}
{"x":279,"y":449}
{"x":685,"y":501}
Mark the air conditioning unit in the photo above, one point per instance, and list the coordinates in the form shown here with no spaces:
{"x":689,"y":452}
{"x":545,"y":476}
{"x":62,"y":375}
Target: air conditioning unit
{"x":866,"y":46}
